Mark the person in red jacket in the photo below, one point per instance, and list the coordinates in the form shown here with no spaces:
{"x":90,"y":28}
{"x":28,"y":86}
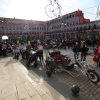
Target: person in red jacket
{"x":98,"y":54}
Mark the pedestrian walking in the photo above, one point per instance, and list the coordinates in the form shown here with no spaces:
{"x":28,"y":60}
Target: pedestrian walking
{"x":76,"y":50}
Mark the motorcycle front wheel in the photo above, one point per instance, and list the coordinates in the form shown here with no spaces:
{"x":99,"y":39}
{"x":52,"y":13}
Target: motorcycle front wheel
{"x":93,"y":76}
{"x":28,"y":64}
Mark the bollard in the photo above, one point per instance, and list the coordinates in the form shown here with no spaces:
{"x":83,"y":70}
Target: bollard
{"x":75,"y":90}
{"x":48,"y":72}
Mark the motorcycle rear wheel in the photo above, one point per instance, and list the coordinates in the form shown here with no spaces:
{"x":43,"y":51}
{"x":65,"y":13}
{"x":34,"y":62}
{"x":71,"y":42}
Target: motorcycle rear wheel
{"x":93,"y":76}
{"x":28,"y":64}
{"x":24,"y":56}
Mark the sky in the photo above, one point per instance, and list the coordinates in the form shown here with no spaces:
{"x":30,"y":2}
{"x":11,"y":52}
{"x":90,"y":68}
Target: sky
{"x":40,"y":9}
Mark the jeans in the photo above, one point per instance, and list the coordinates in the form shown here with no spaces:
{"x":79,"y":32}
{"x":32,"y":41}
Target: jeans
{"x":83,"y":56}
{"x":76,"y":55}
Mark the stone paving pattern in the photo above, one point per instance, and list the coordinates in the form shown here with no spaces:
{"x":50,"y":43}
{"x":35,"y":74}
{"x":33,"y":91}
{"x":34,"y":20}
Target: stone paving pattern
{"x":87,"y":88}
{"x":15,"y":83}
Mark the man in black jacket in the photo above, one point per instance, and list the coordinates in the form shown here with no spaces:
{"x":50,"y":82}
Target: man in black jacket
{"x":83,"y":52}
{"x":76,"y":50}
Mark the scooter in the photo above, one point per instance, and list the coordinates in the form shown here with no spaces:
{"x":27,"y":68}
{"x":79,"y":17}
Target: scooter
{"x":32,"y":58}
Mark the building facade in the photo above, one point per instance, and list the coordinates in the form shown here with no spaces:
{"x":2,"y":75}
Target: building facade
{"x":72,"y":25}
{"x":15,"y":28}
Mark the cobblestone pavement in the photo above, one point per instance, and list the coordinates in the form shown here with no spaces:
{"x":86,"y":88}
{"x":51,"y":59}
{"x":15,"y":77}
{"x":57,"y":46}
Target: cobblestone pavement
{"x":87,"y":88}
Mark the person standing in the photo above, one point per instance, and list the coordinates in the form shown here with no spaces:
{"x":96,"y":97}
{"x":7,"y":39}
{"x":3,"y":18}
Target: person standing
{"x":68,"y":43}
{"x":98,"y":54}
{"x":39,"y":50}
{"x":76,"y":50}
{"x":0,"y":49}
{"x":83,"y":52}
{"x":4,"y":49}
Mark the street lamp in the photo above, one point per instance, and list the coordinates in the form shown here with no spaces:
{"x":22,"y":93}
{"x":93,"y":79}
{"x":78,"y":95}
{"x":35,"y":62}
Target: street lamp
{"x":63,"y":25}
{"x":88,"y":35}
{"x":75,"y":35}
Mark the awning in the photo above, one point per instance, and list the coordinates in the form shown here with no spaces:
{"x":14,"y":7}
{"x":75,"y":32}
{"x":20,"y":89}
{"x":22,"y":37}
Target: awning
{"x":4,"y":37}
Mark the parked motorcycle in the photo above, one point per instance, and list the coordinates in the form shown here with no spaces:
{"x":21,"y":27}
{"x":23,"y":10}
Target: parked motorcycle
{"x":56,"y":62}
{"x":32,"y":58}
{"x":9,"y":48}
{"x":47,"y":46}
{"x":24,"y":53}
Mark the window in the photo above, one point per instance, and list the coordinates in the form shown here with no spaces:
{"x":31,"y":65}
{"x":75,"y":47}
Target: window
{"x":73,"y":23}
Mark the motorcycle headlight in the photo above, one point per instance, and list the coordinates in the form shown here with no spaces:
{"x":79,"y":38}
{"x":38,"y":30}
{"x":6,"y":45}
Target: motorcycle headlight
{"x":75,"y":65}
{"x":84,"y":65}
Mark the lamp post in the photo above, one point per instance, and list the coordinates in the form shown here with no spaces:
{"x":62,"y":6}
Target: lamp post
{"x":88,"y":35}
{"x":75,"y":35}
{"x":63,"y":25}
{"x":77,"y":28}
{"x":50,"y":28}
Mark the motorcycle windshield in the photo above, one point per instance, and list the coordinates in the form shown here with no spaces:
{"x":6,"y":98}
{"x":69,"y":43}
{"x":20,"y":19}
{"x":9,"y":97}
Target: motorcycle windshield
{"x":32,"y":52}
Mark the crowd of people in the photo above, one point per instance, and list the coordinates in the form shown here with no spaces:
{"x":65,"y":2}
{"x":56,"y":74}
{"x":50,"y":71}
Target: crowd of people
{"x":77,"y":46}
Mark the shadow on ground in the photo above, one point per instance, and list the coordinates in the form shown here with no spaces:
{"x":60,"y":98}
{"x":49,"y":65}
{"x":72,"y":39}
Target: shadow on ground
{"x":59,"y":86}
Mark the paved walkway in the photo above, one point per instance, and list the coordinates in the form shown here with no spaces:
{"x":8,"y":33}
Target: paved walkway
{"x":15,"y":83}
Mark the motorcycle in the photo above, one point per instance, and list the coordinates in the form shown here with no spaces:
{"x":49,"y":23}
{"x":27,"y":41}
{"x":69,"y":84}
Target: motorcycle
{"x":24,"y":53}
{"x":9,"y":48}
{"x":32,"y":58}
{"x":56,"y":62}
{"x":47,"y":46}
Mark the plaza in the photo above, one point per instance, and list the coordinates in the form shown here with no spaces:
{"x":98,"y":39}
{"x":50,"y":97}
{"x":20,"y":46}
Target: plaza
{"x":70,"y":26}
{"x":21,"y":83}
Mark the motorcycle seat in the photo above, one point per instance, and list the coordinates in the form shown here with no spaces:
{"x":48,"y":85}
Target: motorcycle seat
{"x":65,"y":62}
{"x":57,"y":57}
